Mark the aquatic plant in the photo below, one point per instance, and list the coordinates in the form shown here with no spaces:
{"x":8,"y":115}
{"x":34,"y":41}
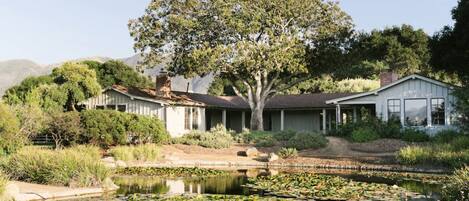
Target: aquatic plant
{"x":170,"y":172}
{"x":458,"y":185}
{"x":144,"y":152}
{"x":151,"y":197}
{"x":315,"y":186}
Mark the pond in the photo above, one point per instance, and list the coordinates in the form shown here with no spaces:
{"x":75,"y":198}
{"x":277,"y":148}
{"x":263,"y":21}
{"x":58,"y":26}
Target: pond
{"x":233,"y":184}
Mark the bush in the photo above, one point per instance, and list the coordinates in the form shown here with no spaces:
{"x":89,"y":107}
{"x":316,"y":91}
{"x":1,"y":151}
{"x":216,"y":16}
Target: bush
{"x":364,"y":135}
{"x":104,"y":127}
{"x":75,"y":167}
{"x":287,"y":153}
{"x":284,"y":135}
{"x":64,"y":128}
{"x":217,"y":138}
{"x":145,"y":152}
{"x":3,"y":183}
{"x":440,"y":154}
{"x":267,"y":141}
{"x":251,"y":136}
{"x":145,"y":129}
{"x":460,"y":143}
{"x":414,"y":135}
{"x":458,"y":186}
{"x":413,"y":155}
{"x":445,"y":136}
{"x":11,"y":139}
{"x":307,"y":140}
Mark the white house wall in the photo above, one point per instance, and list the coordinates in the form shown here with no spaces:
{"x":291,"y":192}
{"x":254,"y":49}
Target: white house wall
{"x":175,"y":117}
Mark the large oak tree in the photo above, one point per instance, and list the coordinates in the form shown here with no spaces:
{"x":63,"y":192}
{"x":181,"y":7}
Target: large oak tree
{"x":258,"y":45}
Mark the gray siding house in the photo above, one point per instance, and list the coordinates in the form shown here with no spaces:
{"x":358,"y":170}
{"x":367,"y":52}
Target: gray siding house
{"x":415,"y":100}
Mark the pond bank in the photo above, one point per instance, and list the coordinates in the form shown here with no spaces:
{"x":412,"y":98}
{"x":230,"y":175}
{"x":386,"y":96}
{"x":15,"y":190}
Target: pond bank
{"x":22,"y":191}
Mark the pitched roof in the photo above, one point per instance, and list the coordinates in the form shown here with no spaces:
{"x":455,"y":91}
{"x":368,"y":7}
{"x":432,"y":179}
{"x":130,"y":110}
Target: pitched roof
{"x":149,"y":94}
{"x":376,"y":91}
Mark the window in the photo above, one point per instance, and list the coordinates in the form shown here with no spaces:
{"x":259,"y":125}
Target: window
{"x":111,"y":107}
{"x":121,"y":108}
{"x":195,"y":118}
{"x":187,"y":118}
{"x":100,"y":107}
{"x":394,"y":109}
{"x":438,"y":111}
{"x":415,"y":112}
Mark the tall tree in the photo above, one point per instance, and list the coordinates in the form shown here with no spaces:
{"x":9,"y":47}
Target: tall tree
{"x":117,"y":72}
{"x":77,"y":81}
{"x":260,"y":43}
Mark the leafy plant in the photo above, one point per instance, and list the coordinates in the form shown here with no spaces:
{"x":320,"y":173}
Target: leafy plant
{"x":287,"y":153}
{"x":458,"y":186}
{"x":267,"y":141}
{"x":364,"y":135}
{"x":64,"y":128}
{"x":216,"y":138}
{"x":284,"y":135}
{"x":445,"y":136}
{"x":308,"y":140}
{"x":441,"y":154}
{"x":11,"y":139}
{"x":414,"y":135}
{"x":143,"y":129}
{"x":145,"y":152}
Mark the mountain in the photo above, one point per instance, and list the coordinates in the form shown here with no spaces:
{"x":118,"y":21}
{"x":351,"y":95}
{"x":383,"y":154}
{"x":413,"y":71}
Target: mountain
{"x":12,"y":72}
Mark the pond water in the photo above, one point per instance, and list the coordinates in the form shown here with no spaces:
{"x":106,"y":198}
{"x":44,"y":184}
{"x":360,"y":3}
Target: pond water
{"x":232,"y":184}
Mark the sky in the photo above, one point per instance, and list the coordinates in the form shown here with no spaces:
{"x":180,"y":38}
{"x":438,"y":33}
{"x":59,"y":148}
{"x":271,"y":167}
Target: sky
{"x":52,"y":31}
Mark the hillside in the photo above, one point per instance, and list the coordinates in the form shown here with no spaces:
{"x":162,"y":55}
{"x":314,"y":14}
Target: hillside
{"x":13,"y":72}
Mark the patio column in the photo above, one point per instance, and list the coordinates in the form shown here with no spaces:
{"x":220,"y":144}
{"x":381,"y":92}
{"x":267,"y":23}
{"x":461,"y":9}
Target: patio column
{"x":243,"y":120}
{"x":354,"y":114}
{"x":338,"y":116}
{"x":223,"y":117}
{"x":282,"y":120}
{"x":324,"y":121}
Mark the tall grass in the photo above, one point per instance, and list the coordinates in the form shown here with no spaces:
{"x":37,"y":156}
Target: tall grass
{"x":75,"y":167}
{"x":458,"y":186}
{"x":146,"y":152}
{"x":3,"y":183}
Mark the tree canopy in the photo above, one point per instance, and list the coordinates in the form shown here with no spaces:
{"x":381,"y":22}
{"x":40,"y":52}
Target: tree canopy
{"x":117,"y":72}
{"x":259,"y":43}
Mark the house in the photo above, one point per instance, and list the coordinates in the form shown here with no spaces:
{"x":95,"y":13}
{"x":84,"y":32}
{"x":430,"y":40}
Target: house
{"x":415,"y":100}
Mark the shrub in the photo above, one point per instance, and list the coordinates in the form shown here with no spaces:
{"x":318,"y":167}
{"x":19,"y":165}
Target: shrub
{"x":284,"y":135}
{"x":217,"y":138}
{"x":104,"y":127}
{"x":305,"y":140}
{"x":147,"y":130}
{"x":3,"y":183}
{"x":446,"y":136}
{"x":146,"y":152}
{"x":75,"y":167}
{"x":412,"y":155}
{"x":460,"y":143}
{"x":251,"y":136}
{"x":11,"y":139}
{"x":287,"y":153}
{"x":414,"y":135}
{"x":267,"y":141}
{"x":458,"y":186}
{"x":64,"y":128}
{"x":440,"y":154}
{"x":364,"y":135}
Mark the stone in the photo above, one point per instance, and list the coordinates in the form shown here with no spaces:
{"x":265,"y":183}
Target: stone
{"x":120,"y":163}
{"x":108,"y":159}
{"x":252,"y":152}
{"x":272,"y":157}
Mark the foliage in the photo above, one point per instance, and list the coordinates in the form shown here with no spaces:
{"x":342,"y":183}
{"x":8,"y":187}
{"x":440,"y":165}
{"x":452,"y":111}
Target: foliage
{"x":324,"y":187}
{"x":117,"y":72}
{"x":259,"y":43}
{"x":364,"y":135}
{"x":32,"y":119}
{"x":74,"y":167}
{"x":454,"y":154}
{"x":170,"y":172}
{"x":307,"y":140}
{"x":145,"y":152}
{"x":51,"y":98}
{"x":458,"y":186}
{"x":197,"y":197}
{"x":17,"y":94}
{"x":11,"y":139}
{"x":218,"y":137}
{"x":373,"y":125}
{"x":248,"y":136}
{"x":64,"y":128}
{"x":267,"y":141}
{"x":287,"y":153}
{"x":284,"y":135}
{"x":3,"y":183}
{"x":77,"y":81}
{"x":462,"y":108}
{"x":414,"y":135}
{"x":326,"y":84}
{"x":104,"y":127}
{"x":144,"y":129}
{"x":446,"y":136}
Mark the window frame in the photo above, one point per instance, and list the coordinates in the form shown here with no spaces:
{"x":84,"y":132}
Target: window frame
{"x":388,"y":106}
{"x":443,"y":119}
{"x":125,"y":107}
{"x":426,"y":112}
{"x":195,"y":118}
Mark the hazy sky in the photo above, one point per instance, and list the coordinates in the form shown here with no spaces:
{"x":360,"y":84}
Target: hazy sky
{"x":50,"y":31}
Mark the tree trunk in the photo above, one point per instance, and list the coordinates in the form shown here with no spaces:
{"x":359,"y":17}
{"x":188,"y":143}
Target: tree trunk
{"x":257,"y":123}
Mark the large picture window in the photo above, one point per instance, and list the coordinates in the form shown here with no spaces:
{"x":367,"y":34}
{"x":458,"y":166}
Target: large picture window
{"x":438,"y":111}
{"x":394,"y":109}
{"x":191,"y":118}
{"x":187,"y":118}
{"x":415,"y":112}
{"x":195,"y":118}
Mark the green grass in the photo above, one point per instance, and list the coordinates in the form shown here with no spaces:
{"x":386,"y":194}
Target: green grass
{"x":75,"y":167}
{"x":145,"y":152}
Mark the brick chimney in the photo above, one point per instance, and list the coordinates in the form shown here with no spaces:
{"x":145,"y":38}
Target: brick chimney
{"x":387,"y":77}
{"x":163,"y":85}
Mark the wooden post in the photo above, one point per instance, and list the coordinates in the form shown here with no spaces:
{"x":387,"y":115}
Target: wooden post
{"x":354,"y":114}
{"x":282,"y":120}
{"x":223,"y":118}
{"x":243,"y":120}
{"x":324,"y":121}
{"x":338,"y":116}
